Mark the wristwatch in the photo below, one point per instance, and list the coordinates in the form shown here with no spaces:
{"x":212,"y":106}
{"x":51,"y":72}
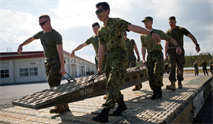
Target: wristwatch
{"x":152,"y":31}
{"x":177,"y":46}
{"x":197,"y":45}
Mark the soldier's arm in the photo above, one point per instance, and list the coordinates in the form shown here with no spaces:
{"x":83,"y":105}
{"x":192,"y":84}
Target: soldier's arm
{"x":166,"y":49}
{"x":77,"y":48}
{"x":136,"y":50}
{"x":143,"y":50}
{"x":59,"y":48}
{"x":29,"y":40}
{"x":195,"y":42}
{"x":100,"y":57}
{"x":140,"y":30}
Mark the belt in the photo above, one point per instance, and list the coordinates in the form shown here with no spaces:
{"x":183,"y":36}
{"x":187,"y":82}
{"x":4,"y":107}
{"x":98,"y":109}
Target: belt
{"x":173,"y":47}
{"x":52,"y":57}
{"x":154,"y":51}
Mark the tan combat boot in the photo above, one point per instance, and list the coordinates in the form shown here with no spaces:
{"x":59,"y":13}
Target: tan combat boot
{"x":66,"y":106}
{"x":180,"y":86}
{"x":58,"y":109}
{"x":172,"y":86}
{"x":137,"y":87}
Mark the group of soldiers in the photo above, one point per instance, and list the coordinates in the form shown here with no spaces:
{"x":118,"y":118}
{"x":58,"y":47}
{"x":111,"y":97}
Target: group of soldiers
{"x":203,"y":64}
{"x":115,"y":53}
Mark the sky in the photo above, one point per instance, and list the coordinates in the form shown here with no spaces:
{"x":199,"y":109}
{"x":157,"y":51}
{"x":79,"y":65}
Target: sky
{"x":73,"y":20}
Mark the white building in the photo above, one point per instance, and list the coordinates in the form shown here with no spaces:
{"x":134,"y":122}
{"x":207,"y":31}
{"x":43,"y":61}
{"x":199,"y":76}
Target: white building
{"x":29,"y":67}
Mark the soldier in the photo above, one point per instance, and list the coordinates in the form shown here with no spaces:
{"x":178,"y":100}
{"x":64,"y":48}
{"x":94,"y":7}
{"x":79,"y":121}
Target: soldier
{"x":211,"y":66}
{"x":155,"y":62}
{"x":174,"y":58}
{"x":204,"y":68}
{"x":196,"y":68}
{"x":130,"y":44}
{"x":51,"y":41}
{"x":111,"y":35}
{"x":94,"y":40}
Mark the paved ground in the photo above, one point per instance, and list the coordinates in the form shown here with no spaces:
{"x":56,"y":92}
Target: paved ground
{"x":135,"y":100}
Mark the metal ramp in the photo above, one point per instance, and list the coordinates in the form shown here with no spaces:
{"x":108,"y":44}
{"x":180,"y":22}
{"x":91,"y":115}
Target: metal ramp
{"x":180,"y":106}
{"x":78,"y":90}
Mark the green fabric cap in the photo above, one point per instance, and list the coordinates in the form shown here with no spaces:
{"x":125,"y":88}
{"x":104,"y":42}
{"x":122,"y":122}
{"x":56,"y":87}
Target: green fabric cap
{"x":147,"y":18}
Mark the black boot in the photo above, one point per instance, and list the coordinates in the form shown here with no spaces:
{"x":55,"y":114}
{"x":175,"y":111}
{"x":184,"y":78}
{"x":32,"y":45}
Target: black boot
{"x":155,"y":94}
{"x":159,"y":92}
{"x":103,"y":116}
{"x":121,"y":107}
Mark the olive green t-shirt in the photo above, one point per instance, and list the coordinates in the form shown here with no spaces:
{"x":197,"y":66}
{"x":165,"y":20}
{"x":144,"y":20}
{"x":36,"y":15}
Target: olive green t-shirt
{"x":149,"y":43}
{"x":177,"y":34}
{"x":112,"y":34}
{"x":49,"y":40}
{"x":129,"y":45}
{"x":95,"y":43}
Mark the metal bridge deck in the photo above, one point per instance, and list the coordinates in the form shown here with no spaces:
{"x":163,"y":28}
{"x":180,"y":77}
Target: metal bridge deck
{"x":172,"y":108}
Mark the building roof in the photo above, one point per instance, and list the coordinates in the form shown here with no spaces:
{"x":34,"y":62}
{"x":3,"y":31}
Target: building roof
{"x":29,"y":54}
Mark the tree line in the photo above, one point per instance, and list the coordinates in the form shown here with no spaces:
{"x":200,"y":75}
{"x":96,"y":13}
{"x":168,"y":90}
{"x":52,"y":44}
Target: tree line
{"x":189,"y":60}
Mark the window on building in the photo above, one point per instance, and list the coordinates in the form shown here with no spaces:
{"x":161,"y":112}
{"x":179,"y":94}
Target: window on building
{"x":33,"y":71}
{"x":28,"y":72}
{"x":4,"y":73}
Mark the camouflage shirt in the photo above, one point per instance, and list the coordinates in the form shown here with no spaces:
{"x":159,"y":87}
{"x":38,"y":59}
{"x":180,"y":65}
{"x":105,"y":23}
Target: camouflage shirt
{"x":112,"y":34}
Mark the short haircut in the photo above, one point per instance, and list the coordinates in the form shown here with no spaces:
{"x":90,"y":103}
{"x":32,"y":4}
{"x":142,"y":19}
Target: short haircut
{"x":95,"y":24}
{"x":44,"y":16}
{"x":172,"y":18}
{"x":105,"y":5}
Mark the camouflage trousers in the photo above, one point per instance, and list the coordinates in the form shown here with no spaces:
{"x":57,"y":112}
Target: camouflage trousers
{"x":132,"y":61}
{"x":52,"y":69}
{"x":176,"y":59}
{"x":155,"y":66}
{"x":116,"y":64}
{"x":196,"y":71}
{"x":104,"y":62}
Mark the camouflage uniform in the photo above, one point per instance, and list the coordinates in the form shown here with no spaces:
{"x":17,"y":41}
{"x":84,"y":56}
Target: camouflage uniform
{"x":112,"y":36}
{"x":52,"y":69}
{"x":49,"y":41}
{"x":196,"y":69}
{"x":176,"y":59}
{"x":173,"y":57}
{"x":155,"y":63}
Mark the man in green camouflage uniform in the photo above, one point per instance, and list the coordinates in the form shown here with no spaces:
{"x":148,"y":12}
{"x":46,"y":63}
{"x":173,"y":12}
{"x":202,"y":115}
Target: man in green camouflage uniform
{"x":174,"y":58}
{"x":131,"y":45}
{"x":94,"y":41}
{"x":51,"y":41}
{"x":211,"y":66}
{"x":196,"y":68}
{"x":111,"y":35}
{"x":155,"y":62}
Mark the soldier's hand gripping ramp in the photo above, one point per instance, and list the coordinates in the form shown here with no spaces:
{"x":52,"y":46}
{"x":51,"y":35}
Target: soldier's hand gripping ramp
{"x":78,"y":90}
